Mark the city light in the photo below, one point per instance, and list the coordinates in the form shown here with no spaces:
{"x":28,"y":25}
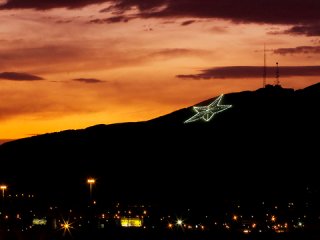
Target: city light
{"x":131,"y":222}
{"x":91,"y":181}
{"x":137,"y":216}
{"x":38,"y":221}
{"x":66,"y":226}
{"x":179,"y":222}
{"x":3,"y":188}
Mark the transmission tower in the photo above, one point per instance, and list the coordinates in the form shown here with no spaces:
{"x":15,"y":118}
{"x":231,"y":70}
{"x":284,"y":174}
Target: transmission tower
{"x":264,"y":83}
{"x":277,"y":82}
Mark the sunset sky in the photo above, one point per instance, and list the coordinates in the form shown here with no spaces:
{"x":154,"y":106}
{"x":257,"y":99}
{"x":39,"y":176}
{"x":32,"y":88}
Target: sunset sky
{"x":70,"y":64}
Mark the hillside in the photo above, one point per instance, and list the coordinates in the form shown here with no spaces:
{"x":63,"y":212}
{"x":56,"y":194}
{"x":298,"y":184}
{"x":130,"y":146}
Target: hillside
{"x":267,"y":143}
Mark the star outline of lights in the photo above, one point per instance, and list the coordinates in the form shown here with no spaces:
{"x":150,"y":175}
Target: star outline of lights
{"x":206,"y":113}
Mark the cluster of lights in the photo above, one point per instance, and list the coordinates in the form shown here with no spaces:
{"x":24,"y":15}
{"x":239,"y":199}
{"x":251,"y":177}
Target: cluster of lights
{"x":235,"y":223}
{"x":272,"y":221}
{"x":180,"y":223}
{"x":206,"y":113}
{"x":280,"y":228}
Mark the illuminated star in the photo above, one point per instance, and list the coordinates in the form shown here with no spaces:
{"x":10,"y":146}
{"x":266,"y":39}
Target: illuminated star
{"x":206,"y":113}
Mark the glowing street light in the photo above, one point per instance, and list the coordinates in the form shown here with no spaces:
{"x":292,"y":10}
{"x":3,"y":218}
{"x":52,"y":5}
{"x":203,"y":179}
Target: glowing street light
{"x":91,"y":181}
{"x":179,"y":222}
{"x":3,"y":188}
{"x":66,"y":226}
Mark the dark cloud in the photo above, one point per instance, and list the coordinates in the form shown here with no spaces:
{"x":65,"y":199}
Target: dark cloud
{"x":88,"y":80}
{"x":310,"y":30}
{"x":298,"y":50}
{"x":143,"y":5}
{"x":14,"y":76}
{"x":252,"y":72}
{"x":297,"y":12}
{"x":116,"y":19}
{"x":304,"y":14}
{"x":262,"y":11}
{"x":48,"y":4}
{"x":189,"y":22}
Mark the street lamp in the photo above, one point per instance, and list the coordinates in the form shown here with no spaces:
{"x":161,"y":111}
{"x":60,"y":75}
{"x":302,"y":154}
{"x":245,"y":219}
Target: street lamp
{"x":91,"y":181}
{"x":179,"y":222}
{"x":3,"y":188}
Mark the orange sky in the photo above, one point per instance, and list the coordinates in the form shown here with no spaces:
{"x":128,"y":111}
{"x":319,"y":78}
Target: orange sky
{"x":136,"y":62}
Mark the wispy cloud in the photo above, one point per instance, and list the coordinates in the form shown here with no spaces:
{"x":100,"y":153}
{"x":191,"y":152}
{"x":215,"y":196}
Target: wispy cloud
{"x":176,"y":52}
{"x":251,"y":72}
{"x":47,"y":4}
{"x":189,"y":22}
{"x":88,"y":80}
{"x":310,"y":30}
{"x":16,"y":76}
{"x":110,"y":20}
{"x":298,"y":50}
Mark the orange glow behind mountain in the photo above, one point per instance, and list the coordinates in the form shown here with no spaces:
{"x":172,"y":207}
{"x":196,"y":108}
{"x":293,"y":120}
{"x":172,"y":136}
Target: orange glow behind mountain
{"x":83,"y":66}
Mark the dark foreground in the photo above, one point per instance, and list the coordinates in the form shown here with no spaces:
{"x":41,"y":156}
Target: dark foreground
{"x":153,"y":235}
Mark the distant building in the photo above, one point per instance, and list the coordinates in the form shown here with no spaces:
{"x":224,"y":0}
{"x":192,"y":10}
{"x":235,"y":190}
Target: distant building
{"x":131,"y":222}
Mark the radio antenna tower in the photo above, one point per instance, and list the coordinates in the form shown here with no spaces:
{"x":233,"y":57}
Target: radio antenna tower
{"x":277,"y":82}
{"x":264,"y":83}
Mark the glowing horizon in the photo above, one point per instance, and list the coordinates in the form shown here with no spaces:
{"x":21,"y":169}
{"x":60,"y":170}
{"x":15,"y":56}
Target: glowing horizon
{"x":74,"y":66}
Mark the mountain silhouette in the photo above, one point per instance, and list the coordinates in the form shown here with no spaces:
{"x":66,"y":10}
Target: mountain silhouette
{"x":265,"y":145}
